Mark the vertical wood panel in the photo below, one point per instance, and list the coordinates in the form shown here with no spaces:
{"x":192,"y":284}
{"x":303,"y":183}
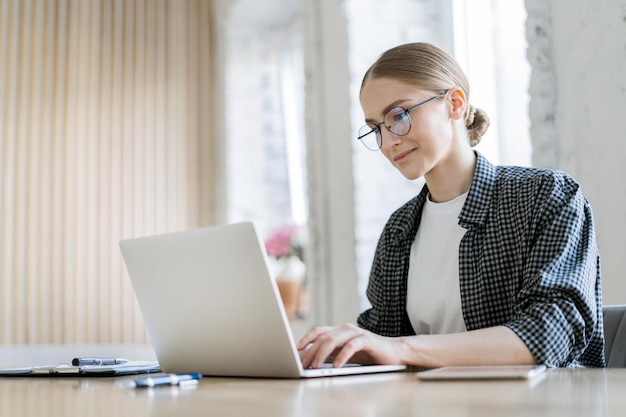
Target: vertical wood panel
{"x":105,"y":184}
{"x":5,"y":307}
{"x":101,"y":140}
{"x":61,"y":228}
{"x":94,"y":222}
{"x":35,"y":235}
{"x":57,"y":21}
{"x":119,"y":162}
{"x":20,"y":228}
{"x":202,"y":109}
{"x":42,"y":186}
{"x":8,"y":164}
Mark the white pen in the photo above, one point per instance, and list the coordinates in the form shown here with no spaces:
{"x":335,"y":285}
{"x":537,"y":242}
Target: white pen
{"x":163,"y":380}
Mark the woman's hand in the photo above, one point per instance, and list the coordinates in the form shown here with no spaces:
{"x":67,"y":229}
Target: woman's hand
{"x":347,"y":343}
{"x":497,"y":345}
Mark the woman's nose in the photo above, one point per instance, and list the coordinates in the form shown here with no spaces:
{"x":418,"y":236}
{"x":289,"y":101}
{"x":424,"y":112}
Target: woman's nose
{"x":389,"y":139}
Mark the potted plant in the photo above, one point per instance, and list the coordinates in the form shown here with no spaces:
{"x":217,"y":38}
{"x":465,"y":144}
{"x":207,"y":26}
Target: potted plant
{"x":285,"y":249}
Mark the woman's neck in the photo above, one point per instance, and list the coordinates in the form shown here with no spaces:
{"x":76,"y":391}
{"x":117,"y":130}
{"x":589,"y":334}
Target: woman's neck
{"x":452,"y":176}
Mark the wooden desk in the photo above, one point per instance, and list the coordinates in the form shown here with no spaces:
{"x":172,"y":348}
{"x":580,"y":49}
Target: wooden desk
{"x":561,"y":392}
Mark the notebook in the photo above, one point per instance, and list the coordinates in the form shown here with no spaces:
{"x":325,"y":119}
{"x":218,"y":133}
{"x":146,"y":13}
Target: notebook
{"x":211,"y":305}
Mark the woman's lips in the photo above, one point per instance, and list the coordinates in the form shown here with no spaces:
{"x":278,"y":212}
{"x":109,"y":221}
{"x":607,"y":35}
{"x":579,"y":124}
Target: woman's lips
{"x":402,"y":156}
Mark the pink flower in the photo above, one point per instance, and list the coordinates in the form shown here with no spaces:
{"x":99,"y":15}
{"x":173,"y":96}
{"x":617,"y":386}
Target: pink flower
{"x":280,"y":243}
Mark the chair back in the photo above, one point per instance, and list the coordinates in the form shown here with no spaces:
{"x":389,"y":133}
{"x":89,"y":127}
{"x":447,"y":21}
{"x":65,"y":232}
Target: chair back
{"x":615,"y":335}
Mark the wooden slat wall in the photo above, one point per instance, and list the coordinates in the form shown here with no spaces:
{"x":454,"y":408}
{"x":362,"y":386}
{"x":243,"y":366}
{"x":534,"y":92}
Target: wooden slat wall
{"x":105,"y":134}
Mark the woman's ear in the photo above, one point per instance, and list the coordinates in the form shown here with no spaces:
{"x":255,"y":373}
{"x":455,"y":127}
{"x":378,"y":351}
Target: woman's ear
{"x":458,"y":102}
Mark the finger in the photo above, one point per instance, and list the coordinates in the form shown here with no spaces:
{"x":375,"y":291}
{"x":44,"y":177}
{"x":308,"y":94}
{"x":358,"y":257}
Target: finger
{"x":315,"y":353}
{"x":311,"y":336}
{"x":310,"y":344}
{"x":330,"y":343}
{"x":306,"y":356}
{"x":323,"y":349}
{"x":349,"y":349}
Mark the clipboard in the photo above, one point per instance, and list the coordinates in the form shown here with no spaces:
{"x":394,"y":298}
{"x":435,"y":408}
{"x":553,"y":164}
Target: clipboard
{"x":66,"y":369}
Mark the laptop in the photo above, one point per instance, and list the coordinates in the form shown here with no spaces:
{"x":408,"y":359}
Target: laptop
{"x":211,"y":305}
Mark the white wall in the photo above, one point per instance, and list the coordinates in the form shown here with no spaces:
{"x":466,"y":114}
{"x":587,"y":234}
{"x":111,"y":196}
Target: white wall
{"x":578,"y":52}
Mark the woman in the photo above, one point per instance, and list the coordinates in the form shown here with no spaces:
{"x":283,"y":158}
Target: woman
{"x":487,"y":265}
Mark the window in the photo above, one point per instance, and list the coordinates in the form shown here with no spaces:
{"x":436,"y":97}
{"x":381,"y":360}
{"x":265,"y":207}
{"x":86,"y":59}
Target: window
{"x":268,"y":104}
{"x":264,"y":110}
{"x":488,"y":40}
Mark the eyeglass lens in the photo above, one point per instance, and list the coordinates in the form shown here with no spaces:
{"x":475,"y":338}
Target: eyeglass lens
{"x":398,"y":122}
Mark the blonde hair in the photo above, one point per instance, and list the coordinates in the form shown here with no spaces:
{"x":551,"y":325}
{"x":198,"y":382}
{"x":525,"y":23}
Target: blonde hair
{"x":430,"y":68}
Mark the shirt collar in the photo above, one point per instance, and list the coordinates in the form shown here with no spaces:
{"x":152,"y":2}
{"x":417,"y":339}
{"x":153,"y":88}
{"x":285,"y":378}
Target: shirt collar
{"x":474,"y":210}
{"x":480,"y":194}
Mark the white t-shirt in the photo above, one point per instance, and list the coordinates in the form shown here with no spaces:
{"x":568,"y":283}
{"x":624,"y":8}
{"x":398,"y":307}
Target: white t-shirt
{"x":433,"y":293}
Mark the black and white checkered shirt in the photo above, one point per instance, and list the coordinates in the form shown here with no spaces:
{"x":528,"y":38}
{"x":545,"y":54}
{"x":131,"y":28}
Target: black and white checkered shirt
{"x":528,"y":261}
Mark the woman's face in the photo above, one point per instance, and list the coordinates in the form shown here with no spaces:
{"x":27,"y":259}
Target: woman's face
{"x":430,"y":138}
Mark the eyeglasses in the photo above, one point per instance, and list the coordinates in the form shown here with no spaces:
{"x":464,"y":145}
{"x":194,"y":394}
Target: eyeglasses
{"x":396,"y":120}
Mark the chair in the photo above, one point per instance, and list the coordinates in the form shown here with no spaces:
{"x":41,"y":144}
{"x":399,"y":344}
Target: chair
{"x":615,"y":335}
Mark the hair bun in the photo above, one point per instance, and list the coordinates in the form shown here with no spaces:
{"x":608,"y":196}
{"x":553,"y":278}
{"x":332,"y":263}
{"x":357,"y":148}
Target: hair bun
{"x":477,"y":123}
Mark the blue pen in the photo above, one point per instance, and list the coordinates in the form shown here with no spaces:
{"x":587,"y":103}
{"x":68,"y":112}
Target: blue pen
{"x":170,"y":379}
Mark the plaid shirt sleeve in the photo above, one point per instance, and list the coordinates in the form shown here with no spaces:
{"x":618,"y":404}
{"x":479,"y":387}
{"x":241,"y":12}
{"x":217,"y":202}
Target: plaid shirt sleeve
{"x":555,"y":296}
{"x":528,"y":261}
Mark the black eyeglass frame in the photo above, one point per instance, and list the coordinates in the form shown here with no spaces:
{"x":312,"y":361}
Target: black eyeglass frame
{"x":406,"y":112}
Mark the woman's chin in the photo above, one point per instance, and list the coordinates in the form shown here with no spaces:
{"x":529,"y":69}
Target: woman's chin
{"x":411,"y":174}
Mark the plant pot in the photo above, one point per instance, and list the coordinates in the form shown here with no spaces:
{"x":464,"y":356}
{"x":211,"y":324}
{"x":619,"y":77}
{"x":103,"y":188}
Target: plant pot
{"x":290,"y":294}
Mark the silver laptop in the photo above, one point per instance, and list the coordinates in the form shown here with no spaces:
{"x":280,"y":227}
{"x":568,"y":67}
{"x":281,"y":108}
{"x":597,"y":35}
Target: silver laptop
{"x":211,"y":305}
